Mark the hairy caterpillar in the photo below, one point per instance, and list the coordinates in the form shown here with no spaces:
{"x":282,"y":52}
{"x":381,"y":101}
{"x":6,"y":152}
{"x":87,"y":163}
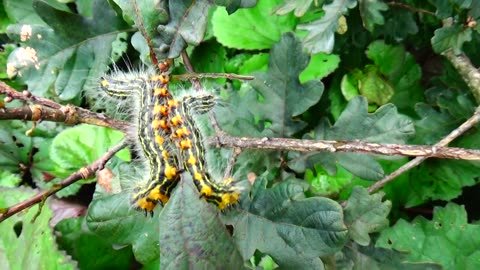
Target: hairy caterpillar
{"x":190,"y":142}
{"x":165,"y":129}
{"x":152,"y":133}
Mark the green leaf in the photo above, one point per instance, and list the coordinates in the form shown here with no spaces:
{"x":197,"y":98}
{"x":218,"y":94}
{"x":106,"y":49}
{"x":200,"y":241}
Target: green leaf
{"x":82,"y":49}
{"x":321,"y":36}
{"x":365,"y":213}
{"x":369,"y":84}
{"x":299,"y":7}
{"x":27,"y":245}
{"x":241,"y":30}
{"x":451,"y":37}
{"x":356,"y":257}
{"x":112,"y":218}
{"x":386,"y":125}
{"x":320,"y":66}
{"x":433,"y":125}
{"x":148,"y":14}
{"x":22,"y":11}
{"x":81,"y":244}
{"x":399,"y":24}
{"x":440,"y":180}
{"x":294,"y":230}
{"x":285,"y":97}
{"x":209,"y":56}
{"x":257,"y":62}
{"x":79,"y":146}
{"x":402,"y":73}
{"x":192,"y":234}
{"x":370,"y":10}
{"x":8,"y":179}
{"x":324,"y":184}
{"x":15,"y":145}
{"x":187,"y":25}
{"x":447,"y":239}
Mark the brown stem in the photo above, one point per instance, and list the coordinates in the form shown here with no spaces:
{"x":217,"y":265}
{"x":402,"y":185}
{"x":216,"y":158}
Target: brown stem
{"x":412,"y":8}
{"x":345,"y":146}
{"x":419,"y":159}
{"x":83,"y":173}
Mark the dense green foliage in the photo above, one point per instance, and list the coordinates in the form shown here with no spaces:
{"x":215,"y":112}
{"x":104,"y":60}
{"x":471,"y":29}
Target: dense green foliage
{"x":366,"y":70}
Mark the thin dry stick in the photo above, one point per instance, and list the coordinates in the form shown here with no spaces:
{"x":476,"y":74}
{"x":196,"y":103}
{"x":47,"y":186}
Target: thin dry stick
{"x":230,"y":76}
{"x":346,"y":146}
{"x":416,"y":161}
{"x":83,"y":173}
{"x":412,"y":8}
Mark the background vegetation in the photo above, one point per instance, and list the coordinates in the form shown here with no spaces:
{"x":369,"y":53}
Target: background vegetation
{"x":386,"y":72}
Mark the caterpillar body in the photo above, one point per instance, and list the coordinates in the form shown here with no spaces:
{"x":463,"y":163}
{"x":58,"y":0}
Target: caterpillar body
{"x":190,"y":142}
{"x":152,"y":134}
{"x":168,"y":136}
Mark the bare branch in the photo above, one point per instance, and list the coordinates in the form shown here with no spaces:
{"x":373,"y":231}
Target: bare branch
{"x":83,"y":173}
{"x":230,"y":76}
{"x":52,"y":111}
{"x":345,"y":146}
{"x":469,"y":73}
{"x":416,"y":161}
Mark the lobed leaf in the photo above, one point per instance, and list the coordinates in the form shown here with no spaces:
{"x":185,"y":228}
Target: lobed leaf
{"x":428,"y":240}
{"x":294,"y":230}
{"x":321,"y":36}
{"x":370,"y":10}
{"x":365,"y":214}
{"x":242,"y":30}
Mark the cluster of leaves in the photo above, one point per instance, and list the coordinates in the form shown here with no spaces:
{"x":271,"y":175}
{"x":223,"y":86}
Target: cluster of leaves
{"x":383,"y":79}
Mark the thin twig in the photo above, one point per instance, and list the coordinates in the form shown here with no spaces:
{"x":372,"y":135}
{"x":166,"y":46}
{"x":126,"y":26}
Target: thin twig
{"x":189,"y":67}
{"x":412,"y":8}
{"x":231,"y":162}
{"x":469,"y":73}
{"x":141,"y":27}
{"x":83,"y":173}
{"x":345,"y":146}
{"x":419,"y":159}
{"x":26,"y":96}
{"x":230,"y":76}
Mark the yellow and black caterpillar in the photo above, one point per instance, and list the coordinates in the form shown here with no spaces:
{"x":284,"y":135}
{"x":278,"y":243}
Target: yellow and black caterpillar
{"x":189,"y":140}
{"x":168,"y":136}
{"x":153,"y":135}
